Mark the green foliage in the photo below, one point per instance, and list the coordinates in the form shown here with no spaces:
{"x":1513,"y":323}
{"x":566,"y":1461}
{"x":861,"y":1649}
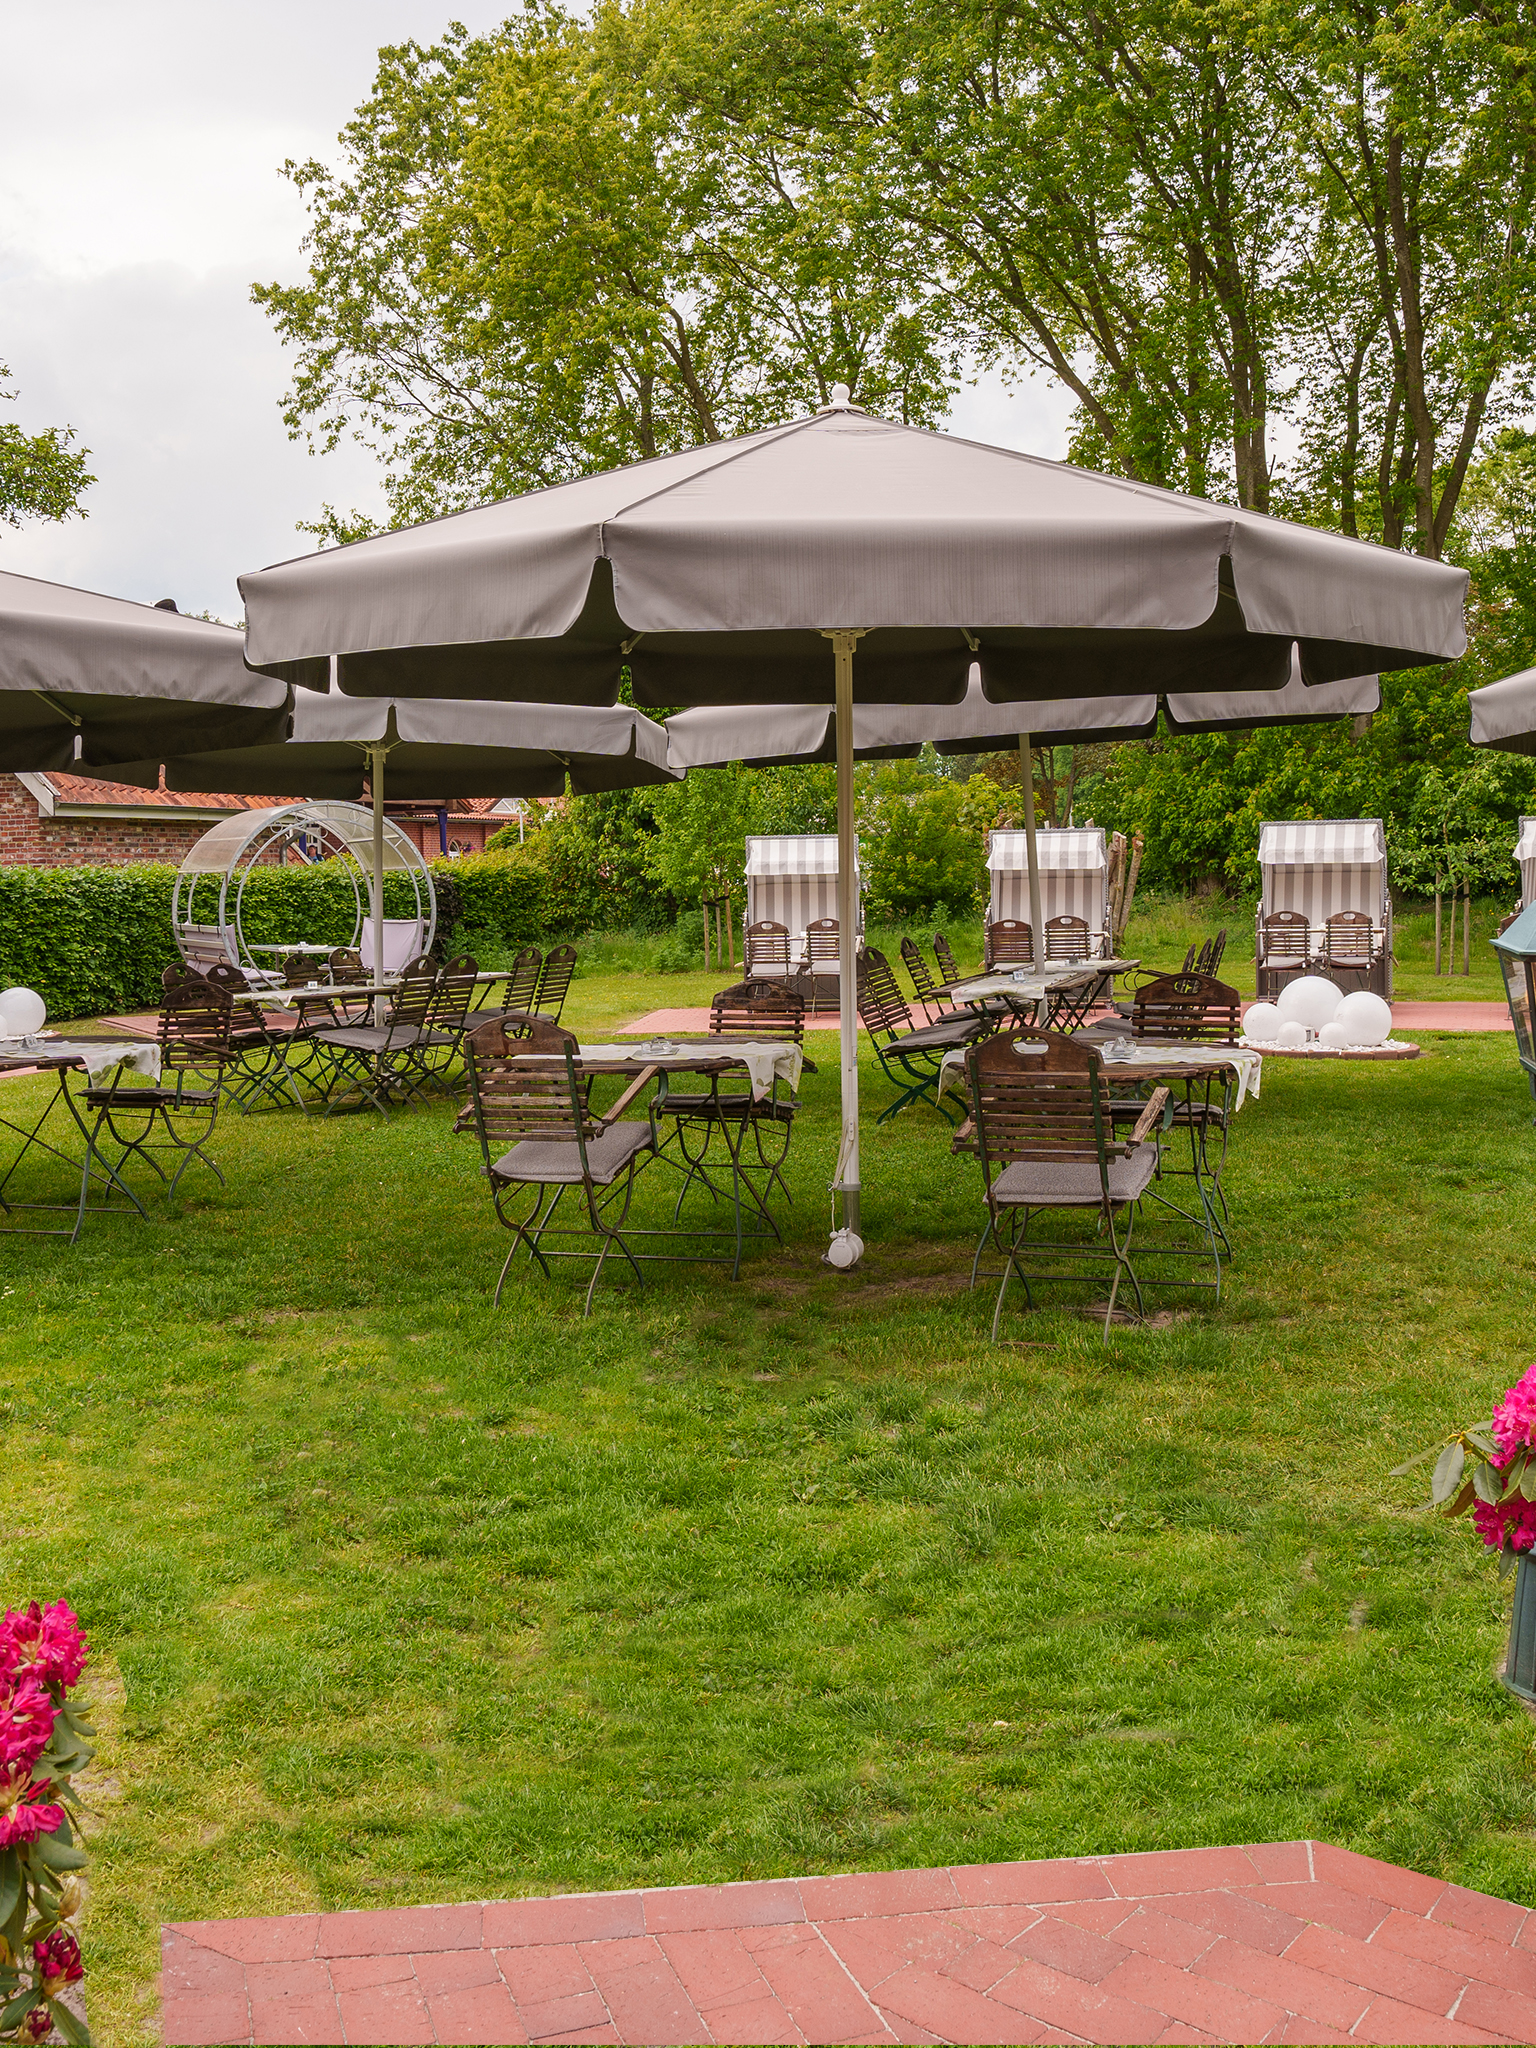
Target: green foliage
{"x":595,"y":857}
{"x":702,"y":823}
{"x":921,"y":842}
{"x":576,"y":242}
{"x":1200,"y":798}
{"x":41,"y":476}
{"x":500,"y":903}
{"x":87,"y":939}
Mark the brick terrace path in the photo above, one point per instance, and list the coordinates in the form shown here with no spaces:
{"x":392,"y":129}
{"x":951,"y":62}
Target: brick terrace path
{"x":1285,"y":1941}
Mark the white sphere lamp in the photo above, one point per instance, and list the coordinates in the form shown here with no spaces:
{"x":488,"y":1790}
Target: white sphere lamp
{"x":23,"y":1012}
{"x":1261,"y":1023}
{"x":1292,"y":1034}
{"x":1366,"y":1017}
{"x":1334,"y":1036}
{"x":1309,"y":1001}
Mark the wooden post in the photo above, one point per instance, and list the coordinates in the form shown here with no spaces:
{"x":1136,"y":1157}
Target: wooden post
{"x":1467,"y":930}
{"x":1437,"y":920}
{"x":730,"y":936}
{"x":1137,"y":843}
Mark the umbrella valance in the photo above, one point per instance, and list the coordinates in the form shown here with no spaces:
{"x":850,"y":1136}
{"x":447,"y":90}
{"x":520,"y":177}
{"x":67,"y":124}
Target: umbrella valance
{"x":124,"y":679}
{"x":715,"y":574}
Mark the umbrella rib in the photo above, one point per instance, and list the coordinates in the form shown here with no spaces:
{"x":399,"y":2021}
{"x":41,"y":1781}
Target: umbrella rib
{"x":58,"y":710}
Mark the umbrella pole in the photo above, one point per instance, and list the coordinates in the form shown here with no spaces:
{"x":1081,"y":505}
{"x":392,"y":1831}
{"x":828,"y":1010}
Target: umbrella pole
{"x":376,"y":879}
{"x":847,"y":1182}
{"x":1027,"y":778}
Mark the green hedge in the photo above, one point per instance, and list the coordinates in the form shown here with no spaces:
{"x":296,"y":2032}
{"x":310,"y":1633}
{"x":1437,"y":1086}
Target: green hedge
{"x":97,"y":939}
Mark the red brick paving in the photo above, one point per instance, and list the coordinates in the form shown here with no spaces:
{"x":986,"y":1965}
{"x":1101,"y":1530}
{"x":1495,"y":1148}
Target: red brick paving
{"x":1281,"y":1941}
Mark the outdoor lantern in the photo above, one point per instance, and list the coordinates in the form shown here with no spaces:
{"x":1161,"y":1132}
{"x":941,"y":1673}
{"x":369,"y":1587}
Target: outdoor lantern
{"x":1516,"y":949}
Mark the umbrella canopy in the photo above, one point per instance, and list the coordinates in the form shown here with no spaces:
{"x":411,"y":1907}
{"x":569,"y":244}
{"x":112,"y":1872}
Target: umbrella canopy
{"x":715,"y":574}
{"x":123,"y":679}
{"x":435,"y":748}
{"x":1504,"y":714}
{"x":775,"y":735}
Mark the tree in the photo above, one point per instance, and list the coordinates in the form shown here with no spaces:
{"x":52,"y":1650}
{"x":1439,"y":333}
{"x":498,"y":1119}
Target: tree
{"x":41,"y":476}
{"x":702,"y":825}
{"x":548,"y":253}
{"x":1416,"y":125}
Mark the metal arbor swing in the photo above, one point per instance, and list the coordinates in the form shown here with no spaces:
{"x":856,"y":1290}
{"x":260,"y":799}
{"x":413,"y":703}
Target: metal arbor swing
{"x":208,"y":902}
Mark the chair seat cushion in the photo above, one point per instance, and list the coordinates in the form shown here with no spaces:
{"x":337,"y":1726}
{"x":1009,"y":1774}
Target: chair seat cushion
{"x":939,"y":1037}
{"x":559,"y":1163}
{"x":369,"y":1037}
{"x":151,"y":1098}
{"x":1073,"y":1184}
{"x":725,"y":1106}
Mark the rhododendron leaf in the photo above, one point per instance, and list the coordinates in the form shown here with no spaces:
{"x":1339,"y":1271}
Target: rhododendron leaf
{"x":1484,"y":1440}
{"x":10,"y":1883}
{"x":58,"y":1855}
{"x":1413,"y":1463}
{"x":17,"y":2010}
{"x":1462,"y":1502}
{"x":1487,"y":1484}
{"x":1506,"y":1562}
{"x":1449,"y":1466}
{"x":69,"y":2028}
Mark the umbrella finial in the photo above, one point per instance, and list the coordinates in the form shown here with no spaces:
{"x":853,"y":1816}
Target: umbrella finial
{"x":841,"y":400}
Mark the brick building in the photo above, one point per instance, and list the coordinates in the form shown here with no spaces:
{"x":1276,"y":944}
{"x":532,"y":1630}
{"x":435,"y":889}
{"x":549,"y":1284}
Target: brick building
{"x":49,"y":821}
{"x":462,"y":826}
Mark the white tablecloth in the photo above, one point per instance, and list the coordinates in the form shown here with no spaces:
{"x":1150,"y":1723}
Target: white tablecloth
{"x":1031,"y":987}
{"x":764,"y":1061}
{"x":142,"y":1054}
{"x":1124,"y":1055}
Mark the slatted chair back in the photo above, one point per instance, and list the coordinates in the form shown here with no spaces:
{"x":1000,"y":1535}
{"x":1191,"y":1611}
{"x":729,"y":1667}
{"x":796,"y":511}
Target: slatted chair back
{"x":932,"y":998}
{"x":1010,"y":943}
{"x":452,"y":994}
{"x":196,"y":1019}
{"x":514,"y":1097}
{"x":523,"y":982}
{"x":1066,"y":938}
{"x":821,"y":939}
{"x":555,"y":981}
{"x":1191,"y":957}
{"x":767,"y":947}
{"x":222,"y":974}
{"x":1036,"y":1095}
{"x":883,"y":1010}
{"x":1349,"y":938}
{"x":1189,"y":1009}
{"x":1209,"y":957}
{"x":410,"y":1004}
{"x":1286,"y":935}
{"x":944,"y":955}
{"x":763,"y":1010}
{"x":346,"y":964}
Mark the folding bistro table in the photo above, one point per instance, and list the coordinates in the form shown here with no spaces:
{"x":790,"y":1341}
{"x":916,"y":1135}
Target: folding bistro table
{"x":62,"y":1057}
{"x":1069,"y":990}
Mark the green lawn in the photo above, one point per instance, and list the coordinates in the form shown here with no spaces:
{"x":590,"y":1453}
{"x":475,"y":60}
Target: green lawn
{"x":398,"y":1598}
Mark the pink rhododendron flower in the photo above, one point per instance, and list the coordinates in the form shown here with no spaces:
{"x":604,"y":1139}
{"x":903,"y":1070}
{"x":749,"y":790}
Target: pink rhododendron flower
{"x":1511,"y":1521}
{"x":58,"y":1958}
{"x":37,"y":2025}
{"x":26,"y":1721}
{"x":25,"y":1812}
{"x":44,"y":1640}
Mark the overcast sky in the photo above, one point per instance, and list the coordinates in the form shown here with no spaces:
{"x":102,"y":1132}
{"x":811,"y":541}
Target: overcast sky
{"x":140,"y":196}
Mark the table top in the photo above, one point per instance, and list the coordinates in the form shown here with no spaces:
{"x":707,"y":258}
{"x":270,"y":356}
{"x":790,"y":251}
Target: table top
{"x":1060,"y":974}
{"x":53,"y":1053}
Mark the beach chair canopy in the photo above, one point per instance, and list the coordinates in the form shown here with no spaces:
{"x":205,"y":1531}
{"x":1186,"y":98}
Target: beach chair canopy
{"x":1074,"y":877}
{"x":792,"y":878}
{"x":1321,"y":865}
{"x":1525,"y":858}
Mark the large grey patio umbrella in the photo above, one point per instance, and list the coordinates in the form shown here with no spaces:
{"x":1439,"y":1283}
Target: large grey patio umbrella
{"x":840,"y":559}
{"x":1504,"y":713}
{"x":91,"y":681}
{"x":341,"y":746}
{"x":773,"y":735}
